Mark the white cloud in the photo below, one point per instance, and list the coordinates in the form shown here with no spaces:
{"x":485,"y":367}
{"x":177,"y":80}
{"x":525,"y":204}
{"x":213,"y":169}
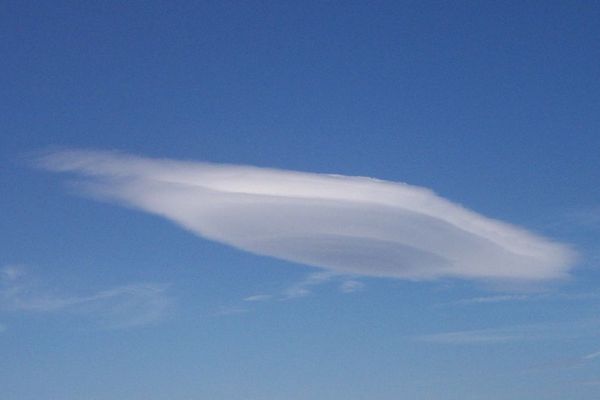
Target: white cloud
{"x":589,"y":296}
{"x":118,"y":307}
{"x":304,"y":287}
{"x":567,"y":330}
{"x":351,"y":286}
{"x":347,"y":225}
{"x":258,"y":297}
{"x":494,"y":299}
{"x":592,"y":356}
{"x":127,"y":306}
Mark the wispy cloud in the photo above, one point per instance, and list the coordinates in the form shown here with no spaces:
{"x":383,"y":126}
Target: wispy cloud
{"x":591,"y":356}
{"x":538,"y":331}
{"x":348,"y":225}
{"x":128,"y":306}
{"x":493,"y":299}
{"x":510,"y":298}
{"x":258,"y":297}
{"x":300,"y":289}
{"x":304,"y":287}
{"x":118,"y":307}
{"x":351,"y":286}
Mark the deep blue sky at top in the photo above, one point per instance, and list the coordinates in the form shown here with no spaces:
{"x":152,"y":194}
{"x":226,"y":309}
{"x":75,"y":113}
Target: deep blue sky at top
{"x":504,"y":97}
{"x":494,"y":105}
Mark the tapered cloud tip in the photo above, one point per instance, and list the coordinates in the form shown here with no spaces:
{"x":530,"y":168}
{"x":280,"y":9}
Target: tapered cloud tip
{"x":349,"y":225}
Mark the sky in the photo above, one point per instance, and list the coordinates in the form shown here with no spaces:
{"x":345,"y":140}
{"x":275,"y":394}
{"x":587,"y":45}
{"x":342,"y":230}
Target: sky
{"x":297,"y":200}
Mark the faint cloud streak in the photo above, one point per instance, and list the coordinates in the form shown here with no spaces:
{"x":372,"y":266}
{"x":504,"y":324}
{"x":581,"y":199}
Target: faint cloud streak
{"x":258,"y":297}
{"x":539,"y":331}
{"x":351,"y":286}
{"x":119,"y":307}
{"x":304,"y":287}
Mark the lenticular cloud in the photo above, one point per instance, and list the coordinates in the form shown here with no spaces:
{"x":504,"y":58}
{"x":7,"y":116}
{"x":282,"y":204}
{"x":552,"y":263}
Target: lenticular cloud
{"x":348,"y":225}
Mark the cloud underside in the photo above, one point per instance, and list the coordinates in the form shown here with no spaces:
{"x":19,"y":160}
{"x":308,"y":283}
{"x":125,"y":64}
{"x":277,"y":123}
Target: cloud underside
{"x":347,"y":225}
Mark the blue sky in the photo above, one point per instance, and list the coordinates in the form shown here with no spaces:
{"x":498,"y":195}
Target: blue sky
{"x":138,"y":255}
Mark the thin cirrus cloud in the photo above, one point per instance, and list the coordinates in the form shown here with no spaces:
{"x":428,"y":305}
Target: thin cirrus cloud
{"x":118,"y":307}
{"x":566,"y":331}
{"x":345,"y":225}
